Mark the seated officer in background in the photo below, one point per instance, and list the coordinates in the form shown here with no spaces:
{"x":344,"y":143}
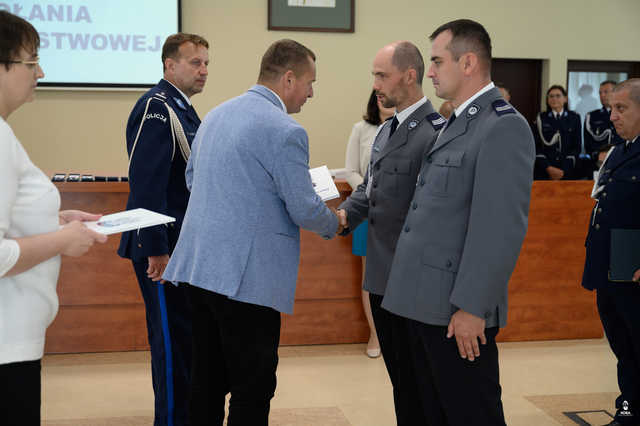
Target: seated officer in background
{"x":159,"y":133}
{"x":599,"y":132}
{"x":617,"y":195}
{"x":558,"y":139}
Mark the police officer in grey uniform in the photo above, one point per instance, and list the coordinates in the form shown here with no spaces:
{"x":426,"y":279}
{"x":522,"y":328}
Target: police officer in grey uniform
{"x":462,"y":236}
{"x":384,"y":197}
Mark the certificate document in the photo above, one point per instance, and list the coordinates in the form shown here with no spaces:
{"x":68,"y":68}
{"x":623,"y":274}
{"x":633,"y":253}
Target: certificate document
{"x":128,"y":220}
{"x":323,"y":183}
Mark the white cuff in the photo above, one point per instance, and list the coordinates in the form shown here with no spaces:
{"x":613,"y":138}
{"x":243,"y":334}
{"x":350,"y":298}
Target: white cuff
{"x":9,"y":255}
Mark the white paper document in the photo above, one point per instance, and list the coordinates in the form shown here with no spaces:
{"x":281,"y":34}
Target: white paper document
{"x":323,"y":183}
{"x":311,"y":3}
{"x":128,"y":221}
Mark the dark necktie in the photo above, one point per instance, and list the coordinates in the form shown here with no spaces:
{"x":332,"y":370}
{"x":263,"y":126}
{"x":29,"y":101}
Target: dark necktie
{"x":451,"y":120}
{"x":394,"y":125}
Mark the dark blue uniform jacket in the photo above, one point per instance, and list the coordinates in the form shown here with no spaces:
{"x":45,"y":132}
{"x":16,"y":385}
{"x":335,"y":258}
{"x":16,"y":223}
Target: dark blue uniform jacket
{"x":596,"y":124}
{"x":564,"y":154}
{"x":618,"y":206}
{"x":156,"y":171}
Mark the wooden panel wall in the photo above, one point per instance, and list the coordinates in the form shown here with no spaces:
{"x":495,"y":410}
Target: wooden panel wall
{"x":546,"y":300}
{"x":101,"y":308}
{"x":328,"y":307}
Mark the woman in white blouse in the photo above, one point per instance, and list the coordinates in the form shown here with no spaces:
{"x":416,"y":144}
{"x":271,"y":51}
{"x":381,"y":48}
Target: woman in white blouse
{"x":358,"y":155}
{"x":33,"y":235}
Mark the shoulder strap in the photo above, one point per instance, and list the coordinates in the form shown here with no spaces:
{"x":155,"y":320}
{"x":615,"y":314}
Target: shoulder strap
{"x":502,"y":107}
{"x":437,"y":121}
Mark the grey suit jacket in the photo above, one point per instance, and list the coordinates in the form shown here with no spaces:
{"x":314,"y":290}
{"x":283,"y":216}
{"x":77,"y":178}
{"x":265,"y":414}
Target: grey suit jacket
{"x":394,"y":170}
{"x":462,"y":237}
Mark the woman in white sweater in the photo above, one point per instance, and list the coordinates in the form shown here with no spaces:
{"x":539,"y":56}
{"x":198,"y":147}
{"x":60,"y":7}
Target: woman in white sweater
{"x":358,"y":155}
{"x":33,"y":235}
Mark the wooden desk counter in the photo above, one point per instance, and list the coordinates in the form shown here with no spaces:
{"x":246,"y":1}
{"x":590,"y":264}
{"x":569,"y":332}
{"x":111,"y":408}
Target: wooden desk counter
{"x":101,"y":308}
{"x":546,"y":300}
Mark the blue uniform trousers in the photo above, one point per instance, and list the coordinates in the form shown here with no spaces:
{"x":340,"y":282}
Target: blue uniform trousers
{"x":618,"y":307}
{"x":169,"y":330}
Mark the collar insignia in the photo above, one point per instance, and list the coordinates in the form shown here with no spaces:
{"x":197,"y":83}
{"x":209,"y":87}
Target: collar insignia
{"x":179,"y":103}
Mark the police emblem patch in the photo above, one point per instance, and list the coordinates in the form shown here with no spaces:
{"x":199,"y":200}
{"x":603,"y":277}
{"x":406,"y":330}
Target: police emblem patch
{"x":473,"y":110}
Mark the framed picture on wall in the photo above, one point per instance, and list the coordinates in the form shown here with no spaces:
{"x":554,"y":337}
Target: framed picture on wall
{"x":312,"y":15}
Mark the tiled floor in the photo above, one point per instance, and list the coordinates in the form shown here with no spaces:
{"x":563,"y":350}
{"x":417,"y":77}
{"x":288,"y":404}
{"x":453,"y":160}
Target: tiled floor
{"x":340,"y":386}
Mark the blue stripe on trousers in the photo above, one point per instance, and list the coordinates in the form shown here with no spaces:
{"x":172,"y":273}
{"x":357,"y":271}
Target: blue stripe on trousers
{"x":167,"y":348}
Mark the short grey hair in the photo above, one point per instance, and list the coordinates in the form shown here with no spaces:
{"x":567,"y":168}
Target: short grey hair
{"x":633,"y":86}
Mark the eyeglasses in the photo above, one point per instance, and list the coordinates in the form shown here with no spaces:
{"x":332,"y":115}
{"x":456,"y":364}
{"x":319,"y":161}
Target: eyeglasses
{"x":30,"y":63}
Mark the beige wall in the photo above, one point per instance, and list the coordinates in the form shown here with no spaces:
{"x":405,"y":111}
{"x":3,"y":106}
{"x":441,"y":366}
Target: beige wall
{"x":84,"y":131}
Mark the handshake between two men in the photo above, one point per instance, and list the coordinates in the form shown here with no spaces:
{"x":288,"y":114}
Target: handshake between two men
{"x":342,"y":220}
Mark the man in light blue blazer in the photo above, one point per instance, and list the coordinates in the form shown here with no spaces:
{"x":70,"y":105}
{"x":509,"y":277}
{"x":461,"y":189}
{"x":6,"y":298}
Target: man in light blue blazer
{"x":239,"y":246}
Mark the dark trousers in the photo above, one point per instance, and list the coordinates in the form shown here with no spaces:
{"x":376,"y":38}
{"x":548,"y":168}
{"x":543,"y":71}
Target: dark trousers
{"x":235,"y":350}
{"x":20,"y":394}
{"x":169,"y":329}
{"x":619,"y":308}
{"x":394,"y":345}
{"x":453,"y":390}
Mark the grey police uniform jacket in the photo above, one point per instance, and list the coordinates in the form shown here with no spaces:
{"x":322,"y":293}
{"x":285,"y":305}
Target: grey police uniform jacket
{"x":468,"y":218}
{"x":394,"y":167}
